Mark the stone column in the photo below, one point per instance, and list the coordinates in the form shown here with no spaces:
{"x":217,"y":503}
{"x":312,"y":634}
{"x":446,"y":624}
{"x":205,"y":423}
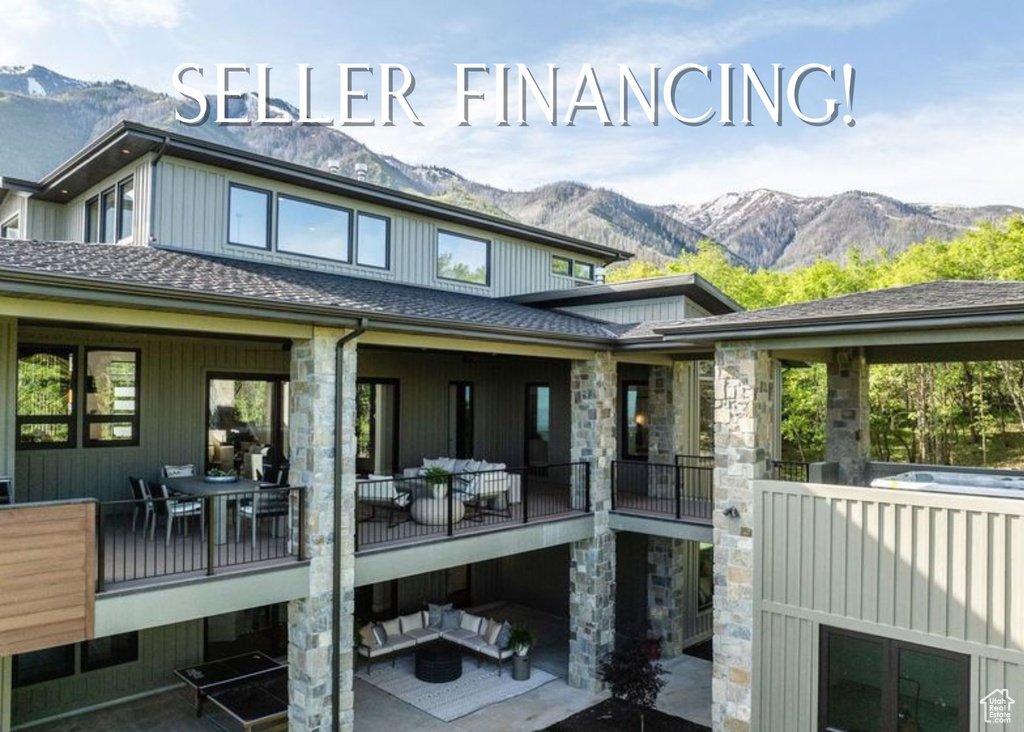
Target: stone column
{"x":744,"y":443}
{"x":661,"y":442}
{"x":592,"y":561}
{"x":314,"y":398}
{"x":847,"y":415}
{"x":666,"y":592}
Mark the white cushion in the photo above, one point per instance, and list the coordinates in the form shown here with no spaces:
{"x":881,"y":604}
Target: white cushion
{"x":473,"y":642}
{"x":460,"y":466}
{"x":475,"y":466}
{"x":423,"y":635}
{"x":393,"y":627}
{"x":489,"y":649}
{"x":471,"y":622}
{"x":458,"y":635}
{"x":491,"y":634}
{"x":413,"y":621}
{"x":179,"y":471}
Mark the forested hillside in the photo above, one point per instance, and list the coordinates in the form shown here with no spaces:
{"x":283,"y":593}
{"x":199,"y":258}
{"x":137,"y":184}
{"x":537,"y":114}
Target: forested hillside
{"x":961,"y":413}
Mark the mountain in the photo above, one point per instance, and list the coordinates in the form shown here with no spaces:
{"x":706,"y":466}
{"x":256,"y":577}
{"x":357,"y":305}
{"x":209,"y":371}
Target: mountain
{"x":46,"y":117}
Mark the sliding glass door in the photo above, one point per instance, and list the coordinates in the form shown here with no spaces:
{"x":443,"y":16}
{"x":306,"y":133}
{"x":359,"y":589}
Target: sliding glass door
{"x":247,"y":415}
{"x":538,"y":424}
{"x":376,"y":427}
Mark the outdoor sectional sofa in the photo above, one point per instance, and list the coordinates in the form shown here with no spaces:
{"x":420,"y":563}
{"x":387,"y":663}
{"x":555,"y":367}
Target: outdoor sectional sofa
{"x":473,"y":632}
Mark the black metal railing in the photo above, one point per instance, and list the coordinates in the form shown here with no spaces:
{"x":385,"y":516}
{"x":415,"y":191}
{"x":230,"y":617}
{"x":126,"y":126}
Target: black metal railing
{"x":680,"y":491}
{"x":159,"y":537}
{"x":790,"y":470}
{"x":415,"y":508}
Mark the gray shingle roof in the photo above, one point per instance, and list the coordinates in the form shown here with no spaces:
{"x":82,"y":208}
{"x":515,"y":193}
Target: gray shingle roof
{"x":929,"y":300}
{"x":198,"y":275}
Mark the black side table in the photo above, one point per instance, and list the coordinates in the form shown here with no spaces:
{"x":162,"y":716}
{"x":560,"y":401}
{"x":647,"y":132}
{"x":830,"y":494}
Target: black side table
{"x":438,"y":662}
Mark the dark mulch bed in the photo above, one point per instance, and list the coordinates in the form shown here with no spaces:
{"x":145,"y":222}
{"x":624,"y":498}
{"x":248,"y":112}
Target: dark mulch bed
{"x":701,"y":650}
{"x":613,"y":716}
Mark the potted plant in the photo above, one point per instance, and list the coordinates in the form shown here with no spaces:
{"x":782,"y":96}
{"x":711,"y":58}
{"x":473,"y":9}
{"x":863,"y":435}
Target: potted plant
{"x":521,"y":639}
{"x":437,"y":481}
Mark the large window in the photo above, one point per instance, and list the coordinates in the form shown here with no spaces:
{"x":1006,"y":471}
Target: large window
{"x":248,"y":217}
{"x":583,"y":272}
{"x":634,"y":420}
{"x":109,"y":217}
{"x":125,"y":208}
{"x":112,"y":650}
{"x":247,"y":415}
{"x":111,"y":397}
{"x":373,"y":241}
{"x":46,"y":397}
{"x":463,"y":258}
{"x":377,"y":427}
{"x":10,"y":229}
{"x":873,"y":684}
{"x":313,"y":229}
{"x":44,"y":665}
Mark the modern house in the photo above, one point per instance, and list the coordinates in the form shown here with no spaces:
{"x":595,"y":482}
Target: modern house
{"x":165,"y":301}
{"x":613,"y":453}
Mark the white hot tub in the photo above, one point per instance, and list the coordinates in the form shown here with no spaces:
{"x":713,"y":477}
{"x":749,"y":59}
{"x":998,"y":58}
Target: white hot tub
{"x":972,"y":484}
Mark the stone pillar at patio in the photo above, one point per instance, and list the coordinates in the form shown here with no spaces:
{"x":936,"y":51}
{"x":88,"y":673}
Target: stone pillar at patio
{"x":847,"y":415}
{"x":744,"y":443}
{"x":314,"y":397}
{"x":667,"y":561}
{"x":592,"y":561}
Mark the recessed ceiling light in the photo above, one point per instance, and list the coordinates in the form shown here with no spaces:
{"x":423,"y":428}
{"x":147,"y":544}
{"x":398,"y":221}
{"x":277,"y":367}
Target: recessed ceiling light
{"x":64,"y":191}
{"x":125,"y":151}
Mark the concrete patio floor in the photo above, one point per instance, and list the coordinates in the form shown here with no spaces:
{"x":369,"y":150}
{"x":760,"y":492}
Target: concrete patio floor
{"x":687,"y":694}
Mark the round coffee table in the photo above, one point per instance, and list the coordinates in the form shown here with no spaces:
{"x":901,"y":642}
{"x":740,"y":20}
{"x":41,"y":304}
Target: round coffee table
{"x":438,"y":662}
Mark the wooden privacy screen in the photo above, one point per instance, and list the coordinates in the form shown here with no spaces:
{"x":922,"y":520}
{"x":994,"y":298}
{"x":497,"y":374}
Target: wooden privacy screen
{"x":47,"y":575}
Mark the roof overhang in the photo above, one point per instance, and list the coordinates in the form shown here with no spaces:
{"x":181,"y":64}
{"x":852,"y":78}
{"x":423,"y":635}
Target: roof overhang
{"x":128,"y":141}
{"x":692,"y":286}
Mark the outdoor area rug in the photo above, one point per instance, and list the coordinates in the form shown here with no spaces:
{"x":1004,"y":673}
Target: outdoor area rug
{"x":478,"y":687}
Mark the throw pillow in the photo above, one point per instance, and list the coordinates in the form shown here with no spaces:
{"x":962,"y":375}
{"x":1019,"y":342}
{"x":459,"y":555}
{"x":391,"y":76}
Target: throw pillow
{"x":504,"y":636}
{"x":393,"y":626}
{"x":434,"y":614}
{"x":413,"y":621}
{"x":471,"y":622}
{"x":366,"y":636}
{"x":493,"y":629}
{"x":451,"y":619}
{"x":380,"y":634}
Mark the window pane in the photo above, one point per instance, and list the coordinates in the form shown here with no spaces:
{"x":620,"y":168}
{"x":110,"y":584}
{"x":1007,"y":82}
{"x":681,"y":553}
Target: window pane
{"x":248,"y":217}
{"x":110,"y":651}
{"x":92,"y":220}
{"x":313,"y":230}
{"x":584,"y":271}
{"x":11,"y":229}
{"x":372,"y":241}
{"x":636,"y":421}
{"x":561,"y":266}
{"x":109,"y":213}
{"x":111,"y":382}
{"x":706,"y":392}
{"x":706,"y":577}
{"x":45,"y":384}
{"x":854,"y":684}
{"x":376,"y":427}
{"x":460,"y":420}
{"x":44,"y":433}
{"x":126,"y":194}
{"x":930,"y":689}
{"x":462,"y":258}
{"x":244,"y":417}
{"x":538,"y":424}
{"x":45,"y":665}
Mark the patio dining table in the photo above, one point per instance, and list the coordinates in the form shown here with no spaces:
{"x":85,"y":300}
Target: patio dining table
{"x":223,"y":493}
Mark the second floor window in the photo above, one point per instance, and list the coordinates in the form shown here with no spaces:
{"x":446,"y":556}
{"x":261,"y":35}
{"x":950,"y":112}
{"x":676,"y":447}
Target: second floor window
{"x":110,"y":216}
{"x":10,"y":229}
{"x":313,"y":229}
{"x":463,"y":258}
{"x":373,"y":241}
{"x":248,"y":217}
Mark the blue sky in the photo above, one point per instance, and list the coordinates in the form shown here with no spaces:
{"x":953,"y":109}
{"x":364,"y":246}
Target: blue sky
{"x":938,"y":84}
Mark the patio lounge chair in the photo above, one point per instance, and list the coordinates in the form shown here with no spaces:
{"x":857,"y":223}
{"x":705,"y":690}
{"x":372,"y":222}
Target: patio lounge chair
{"x":379,"y":491}
{"x":170,"y":508}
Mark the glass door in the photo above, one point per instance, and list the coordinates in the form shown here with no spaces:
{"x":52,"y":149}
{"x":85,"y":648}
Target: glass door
{"x":460,"y":419}
{"x":376,"y":427}
{"x":538,"y":424}
{"x":635,"y":426}
{"x":247,"y":416}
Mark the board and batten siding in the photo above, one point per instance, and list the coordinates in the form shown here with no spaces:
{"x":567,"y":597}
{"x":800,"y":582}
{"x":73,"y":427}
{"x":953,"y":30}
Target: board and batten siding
{"x":655,"y":309}
{"x":15,"y":204}
{"x":161,"y":650}
{"x":191,"y":215}
{"x":499,"y":408}
{"x":172,"y":412}
{"x":142,"y":172}
{"x":939,"y":570}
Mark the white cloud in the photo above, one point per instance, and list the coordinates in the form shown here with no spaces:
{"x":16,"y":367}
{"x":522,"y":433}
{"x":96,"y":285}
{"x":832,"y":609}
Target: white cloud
{"x":164,"y":14}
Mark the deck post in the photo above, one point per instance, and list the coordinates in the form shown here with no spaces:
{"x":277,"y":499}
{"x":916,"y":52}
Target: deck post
{"x":847,"y":415}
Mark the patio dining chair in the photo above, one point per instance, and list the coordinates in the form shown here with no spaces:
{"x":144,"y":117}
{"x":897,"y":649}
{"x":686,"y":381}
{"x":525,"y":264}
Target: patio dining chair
{"x":169,"y":508}
{"x":143,"y":502}
{"x":179,"y":471}
{"x":271,"y":501}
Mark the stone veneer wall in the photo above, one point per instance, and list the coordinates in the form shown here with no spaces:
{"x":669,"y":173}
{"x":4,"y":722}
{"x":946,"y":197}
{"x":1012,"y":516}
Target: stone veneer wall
{"x":592,"y":561}
{"x":666,"y":592}
{"x":312,"y":435}
{"x":847,"y":414}
{"x":745,"y":437}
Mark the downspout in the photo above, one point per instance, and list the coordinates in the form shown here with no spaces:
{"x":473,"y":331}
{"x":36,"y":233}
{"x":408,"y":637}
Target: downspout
{"x":153,"y":181}
{"x":336,"y":574}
